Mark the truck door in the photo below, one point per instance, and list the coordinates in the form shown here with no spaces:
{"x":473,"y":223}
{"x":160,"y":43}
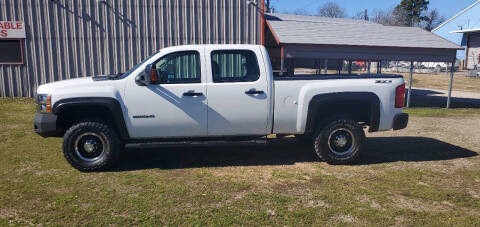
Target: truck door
{"x":237,"y":92}
{"x":177,"y":107}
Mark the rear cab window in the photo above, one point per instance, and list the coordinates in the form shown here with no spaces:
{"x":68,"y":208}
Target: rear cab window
{"x":234,"y":66}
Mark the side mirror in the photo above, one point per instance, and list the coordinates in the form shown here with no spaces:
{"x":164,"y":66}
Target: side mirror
{"x":150,"y":74}
{"x":140,"y":80}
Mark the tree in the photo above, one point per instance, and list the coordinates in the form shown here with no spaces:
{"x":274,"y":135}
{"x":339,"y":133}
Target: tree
{"x":411,"y":11}
{"x":331,"y":9}
{"x":432,"y":20}
{"x":387,"y":17}
{"x":361,"y":15}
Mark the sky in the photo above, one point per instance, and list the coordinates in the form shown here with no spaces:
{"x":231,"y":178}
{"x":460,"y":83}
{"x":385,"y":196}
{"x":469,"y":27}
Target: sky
{"x":447,"y":8}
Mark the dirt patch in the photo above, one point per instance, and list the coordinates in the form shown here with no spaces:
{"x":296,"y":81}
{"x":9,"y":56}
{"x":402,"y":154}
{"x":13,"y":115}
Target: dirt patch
{"x":450,"y":144}
{"x":346,"y":218}
{"x":318,"y":203}
{"x":372,"y":203}
{"x":404,"y":202}
{"x":474,"y":193}
{"x":13,"y":217}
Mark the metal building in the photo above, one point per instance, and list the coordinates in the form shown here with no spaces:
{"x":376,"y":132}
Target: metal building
{"x":61,"y":39}
{"x":324,"y":41}
{"x":471,"y":39}
{"x":464,"y":29}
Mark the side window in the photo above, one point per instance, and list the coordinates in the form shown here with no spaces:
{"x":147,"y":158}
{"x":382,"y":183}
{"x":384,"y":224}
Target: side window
{"x":234,"y":66}
{"x":179,"y":67}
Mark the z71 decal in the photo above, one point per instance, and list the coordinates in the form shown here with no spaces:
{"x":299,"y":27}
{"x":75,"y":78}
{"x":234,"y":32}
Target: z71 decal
{"x":383,"y":81}
{"x":144,"y":116}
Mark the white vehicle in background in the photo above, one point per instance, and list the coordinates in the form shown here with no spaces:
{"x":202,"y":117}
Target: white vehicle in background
{"x":208,"y":94}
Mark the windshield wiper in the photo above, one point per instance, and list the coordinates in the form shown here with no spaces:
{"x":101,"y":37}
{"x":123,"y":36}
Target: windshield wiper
{"x":115,"y":76}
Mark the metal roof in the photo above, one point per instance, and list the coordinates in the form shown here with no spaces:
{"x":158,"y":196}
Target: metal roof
{"x":467,"y":30}
{"x":296,"y":29}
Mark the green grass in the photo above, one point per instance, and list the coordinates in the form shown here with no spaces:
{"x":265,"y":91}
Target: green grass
{"x":37,"y":186}
{"x":442,"y":112}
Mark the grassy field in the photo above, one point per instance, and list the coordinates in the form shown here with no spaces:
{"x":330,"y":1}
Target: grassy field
{"x":441,"y":80}
{"x":427,"y":174}
{"x":461,"y":82}
{"x":442,"y":112}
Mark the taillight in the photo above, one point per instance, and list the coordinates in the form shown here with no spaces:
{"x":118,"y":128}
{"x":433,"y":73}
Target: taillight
{"x":400,"y":96}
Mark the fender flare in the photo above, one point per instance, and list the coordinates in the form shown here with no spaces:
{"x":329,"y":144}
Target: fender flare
{"x":318,"y":101}
{"x":110,"y":103}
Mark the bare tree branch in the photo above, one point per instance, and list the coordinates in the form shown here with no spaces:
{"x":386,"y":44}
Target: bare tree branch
{"x":432,"y":20}
{"x":331,"y":9}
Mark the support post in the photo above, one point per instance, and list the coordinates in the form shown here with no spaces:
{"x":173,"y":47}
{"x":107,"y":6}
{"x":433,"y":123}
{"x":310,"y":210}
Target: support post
{"x":368,"y":66}
{"x":350,"y":67}
{"x":410,"y":84}
{"x":451,"y":85}
{"x":318,"y":70}
{"x":282,"y":62}
{"x":379,"y":67}
{"x":291,"y":67}
{"x":262,"y":22}
{"x":339,"y":66}
{"x":326,"y":66}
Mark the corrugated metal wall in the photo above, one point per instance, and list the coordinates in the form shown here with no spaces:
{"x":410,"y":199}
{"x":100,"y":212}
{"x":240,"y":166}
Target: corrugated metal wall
{"x":68,"y":39}
{"x":473,"y":56}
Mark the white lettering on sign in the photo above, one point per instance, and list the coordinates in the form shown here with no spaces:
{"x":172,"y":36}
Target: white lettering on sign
{"x":12,"y":29}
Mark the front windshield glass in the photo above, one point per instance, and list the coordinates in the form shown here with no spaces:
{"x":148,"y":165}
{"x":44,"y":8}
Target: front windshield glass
{"x":135,"y":67}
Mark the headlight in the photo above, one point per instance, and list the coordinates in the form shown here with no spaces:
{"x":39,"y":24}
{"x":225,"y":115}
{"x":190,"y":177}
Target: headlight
{"x":44,"y":103}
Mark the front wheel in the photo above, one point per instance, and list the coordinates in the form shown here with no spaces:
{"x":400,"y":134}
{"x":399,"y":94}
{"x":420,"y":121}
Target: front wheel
{"x":91,"y":146}
{"x":339,"y":142}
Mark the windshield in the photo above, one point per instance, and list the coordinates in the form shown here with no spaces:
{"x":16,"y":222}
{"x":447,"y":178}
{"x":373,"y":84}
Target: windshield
{"x":135,"y":67}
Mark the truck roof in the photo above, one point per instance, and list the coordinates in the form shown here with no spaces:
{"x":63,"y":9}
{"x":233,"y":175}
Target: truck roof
{"x":214,"y":45}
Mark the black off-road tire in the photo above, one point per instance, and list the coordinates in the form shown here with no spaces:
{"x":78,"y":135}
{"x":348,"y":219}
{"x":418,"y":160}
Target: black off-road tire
{"x":338,"y":155}
{"x":111,"y":146}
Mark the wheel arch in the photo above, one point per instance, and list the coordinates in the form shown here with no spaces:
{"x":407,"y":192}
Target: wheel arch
{"x":362,"y":106}
{"x":105,"y":108}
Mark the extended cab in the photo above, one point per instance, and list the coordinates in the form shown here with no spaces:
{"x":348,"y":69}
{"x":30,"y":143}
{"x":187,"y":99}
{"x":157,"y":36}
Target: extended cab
{"x":212,"y":93}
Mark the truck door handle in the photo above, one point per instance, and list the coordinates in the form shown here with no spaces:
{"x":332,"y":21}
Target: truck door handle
{"x":253,"y":92}
{"x":192,"y":94}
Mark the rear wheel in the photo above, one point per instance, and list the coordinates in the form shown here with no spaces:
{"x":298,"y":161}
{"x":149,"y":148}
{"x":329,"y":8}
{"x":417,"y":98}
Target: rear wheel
{"x":91,"y":146}
{"x":339,"y":142}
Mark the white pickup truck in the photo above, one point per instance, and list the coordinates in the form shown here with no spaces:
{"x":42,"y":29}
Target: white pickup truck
{"x":209,"y":94}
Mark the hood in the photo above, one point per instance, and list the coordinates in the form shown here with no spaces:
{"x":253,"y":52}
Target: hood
{"x":64,"y":84}
{"x":84,"y":82}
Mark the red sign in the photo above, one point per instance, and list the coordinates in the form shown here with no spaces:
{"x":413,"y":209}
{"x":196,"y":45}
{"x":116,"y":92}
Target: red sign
{"x":12,"y":29}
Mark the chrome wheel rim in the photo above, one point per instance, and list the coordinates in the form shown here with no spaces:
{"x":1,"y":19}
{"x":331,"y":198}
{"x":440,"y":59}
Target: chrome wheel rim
{"x":341,"y":141}
{"x":89,"y":146}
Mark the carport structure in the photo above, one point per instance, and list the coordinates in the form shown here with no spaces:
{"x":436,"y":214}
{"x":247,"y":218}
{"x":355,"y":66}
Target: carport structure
{"x":319,"y":39}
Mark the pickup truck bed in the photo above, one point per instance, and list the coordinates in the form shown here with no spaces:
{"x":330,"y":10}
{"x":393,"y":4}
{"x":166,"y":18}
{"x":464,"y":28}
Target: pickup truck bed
{"x":361,"y":96}
{"x":336,"y":77}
